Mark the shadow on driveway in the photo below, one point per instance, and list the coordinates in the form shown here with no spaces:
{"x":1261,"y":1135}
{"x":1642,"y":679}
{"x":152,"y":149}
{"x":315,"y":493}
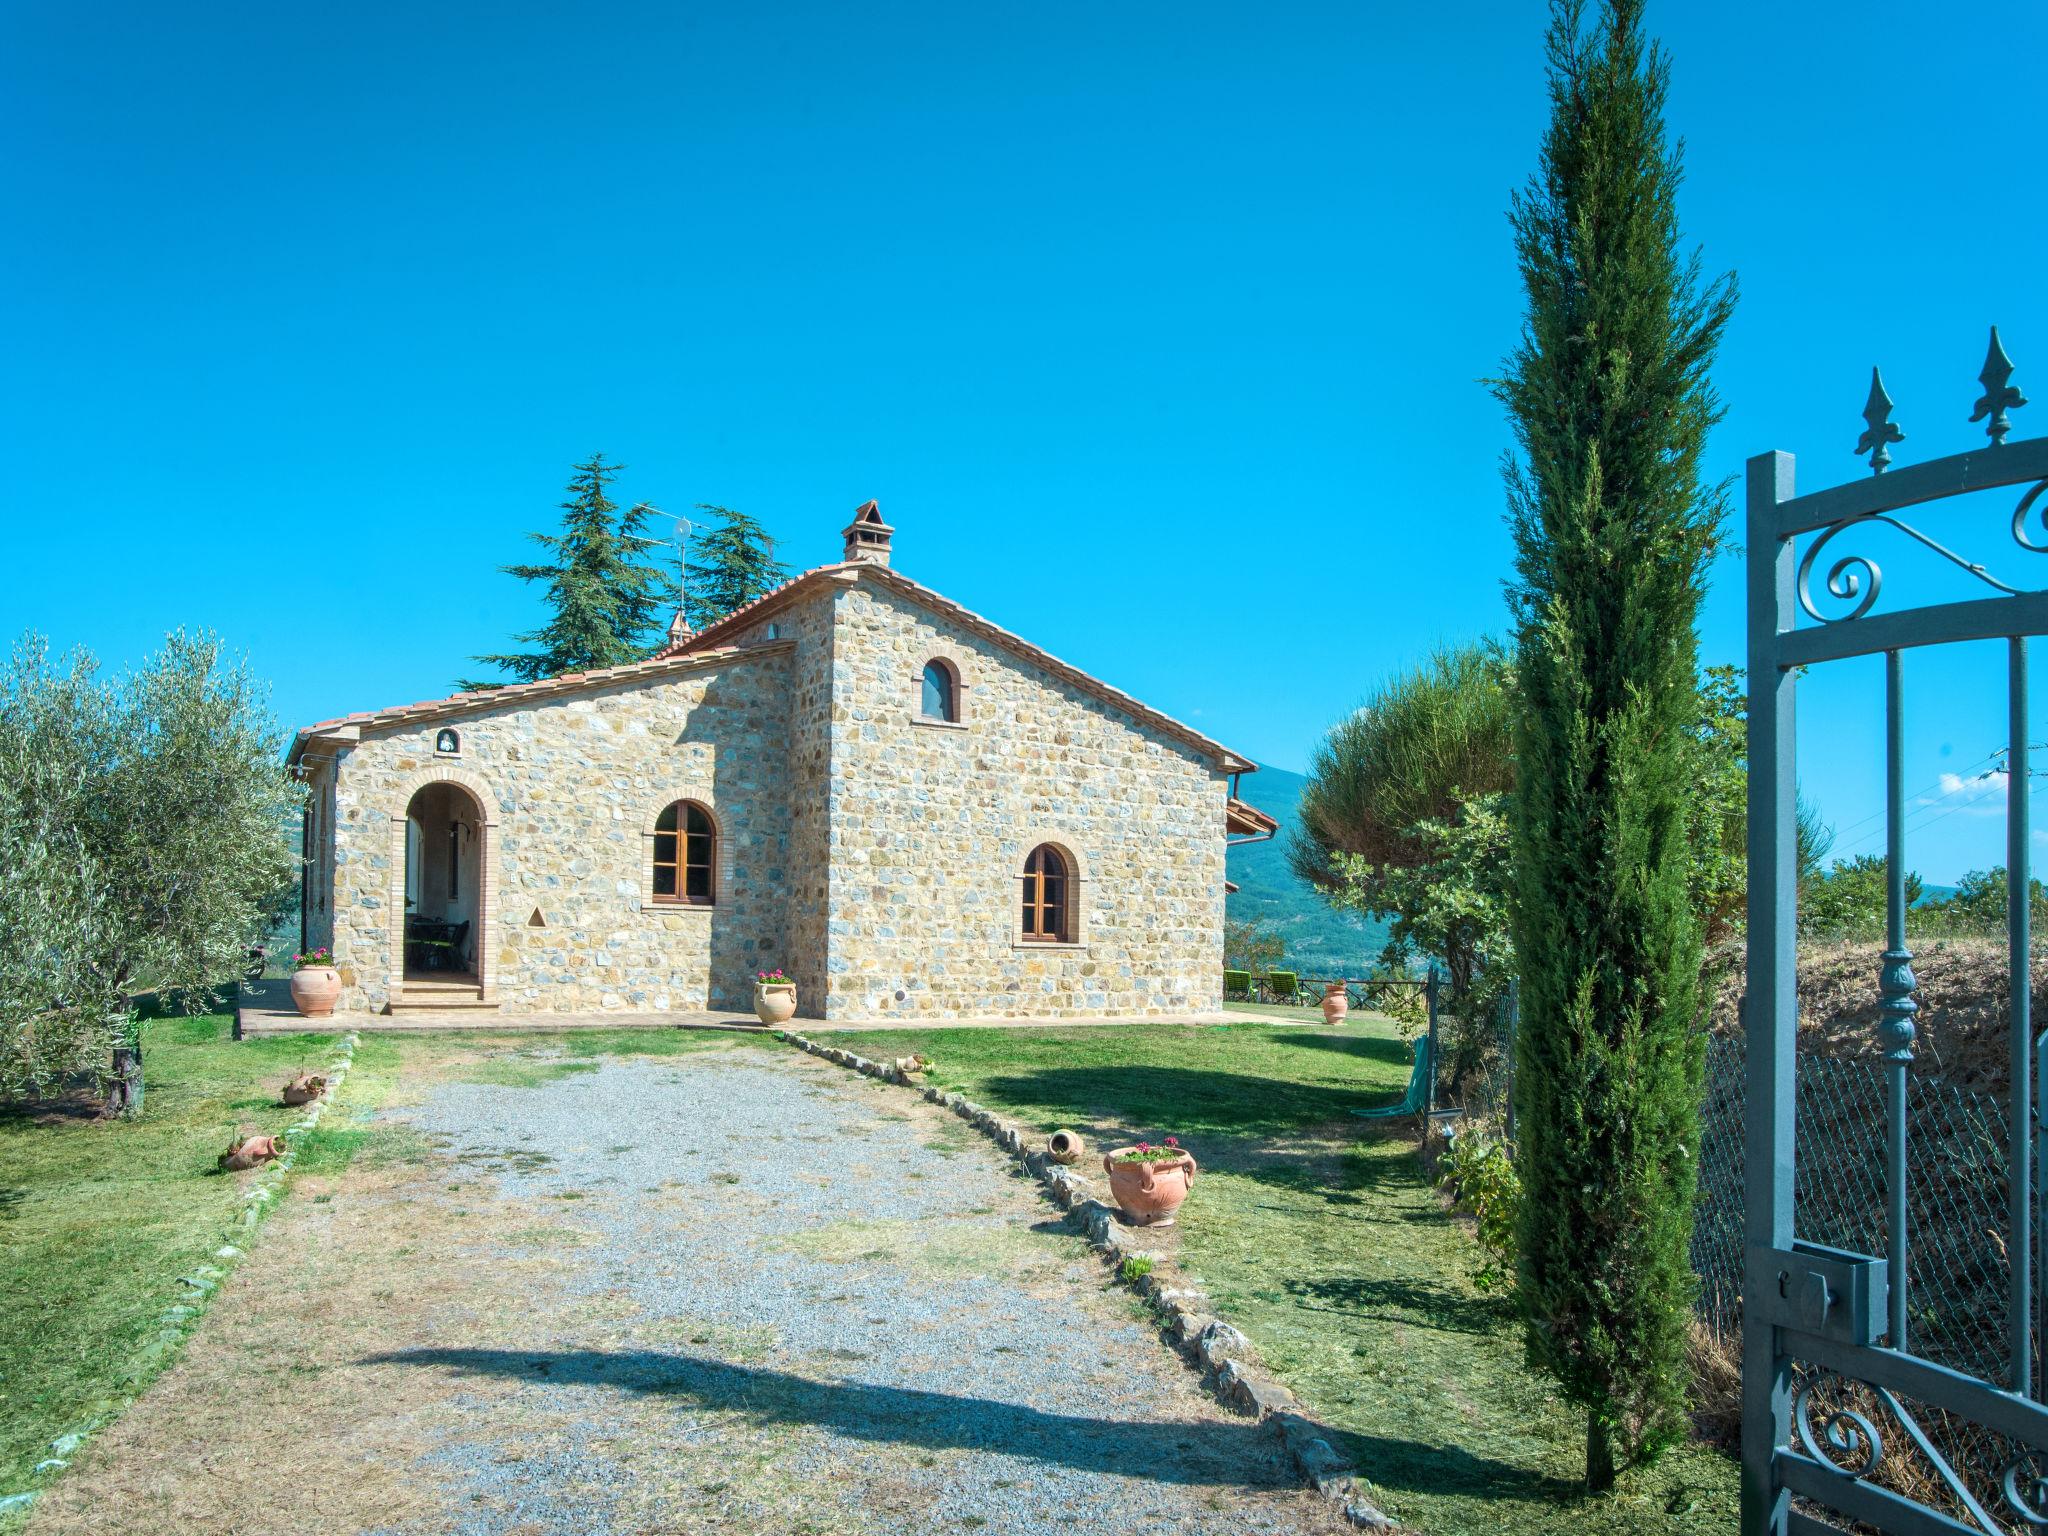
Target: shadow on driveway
{"x":1204,"y":1453}
{"x":1166,"y":1451}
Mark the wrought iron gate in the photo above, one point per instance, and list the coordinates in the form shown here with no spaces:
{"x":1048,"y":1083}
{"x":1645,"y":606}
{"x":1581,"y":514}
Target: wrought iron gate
{"x":1841,"y":1419}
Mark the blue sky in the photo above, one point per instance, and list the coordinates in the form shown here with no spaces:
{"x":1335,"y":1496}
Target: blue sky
{"x":1157,"y":330}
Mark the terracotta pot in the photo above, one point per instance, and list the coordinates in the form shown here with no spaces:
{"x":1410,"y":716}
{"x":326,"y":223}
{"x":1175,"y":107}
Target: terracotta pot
{"x":315,"y":989}
{"x":304,"y":1088}
{"x":1149,"y":1193}
{"x":1336,"y":1004}
{"x":249,"y":1151}
{"x":1065,"y":1146}
{"x":775,"y":1002}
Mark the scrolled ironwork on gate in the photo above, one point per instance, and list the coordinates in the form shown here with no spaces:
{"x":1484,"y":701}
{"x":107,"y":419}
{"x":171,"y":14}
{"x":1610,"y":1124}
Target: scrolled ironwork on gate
{"x":1843,"y":1419}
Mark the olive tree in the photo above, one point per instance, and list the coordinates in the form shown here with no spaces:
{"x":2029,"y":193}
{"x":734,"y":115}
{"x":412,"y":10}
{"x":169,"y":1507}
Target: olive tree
{"x":144,"y":827}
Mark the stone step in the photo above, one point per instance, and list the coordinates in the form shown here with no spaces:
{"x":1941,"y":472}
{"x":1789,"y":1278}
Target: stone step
{"x":440,"y":998}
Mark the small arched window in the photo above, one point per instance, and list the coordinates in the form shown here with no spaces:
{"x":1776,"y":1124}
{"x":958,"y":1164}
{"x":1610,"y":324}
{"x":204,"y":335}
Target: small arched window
{"x":941,"y":693}
{"x":685,"y":855}
{"x":447,"y":742}
{"x":1046,"y":897}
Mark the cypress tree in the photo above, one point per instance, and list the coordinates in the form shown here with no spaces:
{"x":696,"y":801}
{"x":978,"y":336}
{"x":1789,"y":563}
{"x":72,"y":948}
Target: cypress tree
{"x":729,"y":567}
{"x":1610,"y":403}
{"x":605,"y":598}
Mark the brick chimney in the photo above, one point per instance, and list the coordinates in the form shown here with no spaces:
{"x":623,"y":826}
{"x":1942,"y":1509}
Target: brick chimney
{"x":867,"y":536}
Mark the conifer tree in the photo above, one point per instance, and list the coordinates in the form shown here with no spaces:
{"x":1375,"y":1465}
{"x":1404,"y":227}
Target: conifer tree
{"x":1610,"y":401}
{"x":729,"y":567}
{"x":605,"y":599}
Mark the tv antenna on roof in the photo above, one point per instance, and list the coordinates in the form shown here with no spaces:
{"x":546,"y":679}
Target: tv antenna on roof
{"x":681,"y":540}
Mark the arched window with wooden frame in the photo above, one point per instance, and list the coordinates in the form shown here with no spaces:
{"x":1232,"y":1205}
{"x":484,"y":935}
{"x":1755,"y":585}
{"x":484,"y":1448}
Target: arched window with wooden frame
{"x":686,"y":855}
{"x":941,"y":694}
{"x":1048,"y":897}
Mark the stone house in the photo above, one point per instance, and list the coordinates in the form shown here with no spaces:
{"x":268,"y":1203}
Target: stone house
{"x":914,"y":813}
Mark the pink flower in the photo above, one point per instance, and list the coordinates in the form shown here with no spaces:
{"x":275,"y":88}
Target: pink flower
{"x":1173,"y":1141}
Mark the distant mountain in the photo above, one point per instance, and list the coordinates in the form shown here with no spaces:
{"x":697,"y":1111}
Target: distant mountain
{"x":1320,"y":941}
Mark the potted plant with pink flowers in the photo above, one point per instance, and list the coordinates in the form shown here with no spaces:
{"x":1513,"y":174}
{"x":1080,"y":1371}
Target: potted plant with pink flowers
{"x":1149,"y":1182}
{"x":774,"y":997}
{"x":316,"y":984}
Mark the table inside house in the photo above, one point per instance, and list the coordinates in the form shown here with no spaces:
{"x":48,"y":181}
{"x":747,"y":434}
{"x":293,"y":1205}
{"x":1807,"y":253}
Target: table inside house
{"x":431,"y":945}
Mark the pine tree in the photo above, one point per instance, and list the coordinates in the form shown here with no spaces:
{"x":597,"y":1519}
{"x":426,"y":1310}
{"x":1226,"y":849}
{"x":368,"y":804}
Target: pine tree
{"x":606,"y":600}
{"x":729,"y":567}
{"x":1610,"y":401}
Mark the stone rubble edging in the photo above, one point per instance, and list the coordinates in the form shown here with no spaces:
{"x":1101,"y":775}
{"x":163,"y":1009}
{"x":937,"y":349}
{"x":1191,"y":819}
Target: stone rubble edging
{"x":179,"y":1319}
{"x":1202,"y":1339}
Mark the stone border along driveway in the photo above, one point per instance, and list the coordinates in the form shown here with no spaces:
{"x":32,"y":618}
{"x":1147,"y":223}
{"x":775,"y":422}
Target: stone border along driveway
{"x":259,"y":1198}
{"x":1204,"y":1340}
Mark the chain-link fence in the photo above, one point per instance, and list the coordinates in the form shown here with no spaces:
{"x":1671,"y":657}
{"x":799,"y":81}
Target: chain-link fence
{"x":1955,"y":1191}
{"x":1957,"y":1279}
{"x":1955,"y":1197}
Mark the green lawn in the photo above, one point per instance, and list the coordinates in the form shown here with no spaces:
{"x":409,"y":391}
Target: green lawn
{"x":1293,"y":1011}
{"x":1333,"y":1253}
{"x":100,"y":1219}
{"x":1337,"y":1258}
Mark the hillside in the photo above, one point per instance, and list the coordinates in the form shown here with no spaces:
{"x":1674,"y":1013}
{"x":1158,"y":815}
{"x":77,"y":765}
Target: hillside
{"x":1319,"y":940}
{"x":1964,"y":1019}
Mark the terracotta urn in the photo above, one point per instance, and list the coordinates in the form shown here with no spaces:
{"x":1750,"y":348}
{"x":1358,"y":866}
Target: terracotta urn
{"x":1336,"y":1003}
{"x":775,"y":1002}
{"x":1149,"y":1193}
{"x":305,"y":1088}
{"x":1065,"y":1146}
{"x":248,"y":1151}
{"x":315,"y":989}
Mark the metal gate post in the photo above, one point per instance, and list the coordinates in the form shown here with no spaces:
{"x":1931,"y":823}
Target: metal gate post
{"x":1429,"y":992}
{"x":1772,"y":1024}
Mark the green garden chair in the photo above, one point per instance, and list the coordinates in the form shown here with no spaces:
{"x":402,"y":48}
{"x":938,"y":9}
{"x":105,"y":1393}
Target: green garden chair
{"x":1410,"y":1103}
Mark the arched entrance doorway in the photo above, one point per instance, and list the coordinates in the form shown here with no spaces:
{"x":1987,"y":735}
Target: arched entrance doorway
{"x":444,"y":886}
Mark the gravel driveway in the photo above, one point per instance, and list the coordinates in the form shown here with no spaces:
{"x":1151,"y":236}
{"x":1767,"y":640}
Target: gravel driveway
{"x":729,"y":1291}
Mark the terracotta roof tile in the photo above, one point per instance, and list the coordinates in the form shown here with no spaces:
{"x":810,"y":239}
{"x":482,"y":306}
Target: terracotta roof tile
{"x":710,"y":645}
{"x":493,"y":698}
{"x":1248,"y":820}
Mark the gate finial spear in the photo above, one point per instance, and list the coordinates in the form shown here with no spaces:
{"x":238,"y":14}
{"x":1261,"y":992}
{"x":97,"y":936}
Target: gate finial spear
{"x":1881,"y":429}
{"x":2000,"y":395}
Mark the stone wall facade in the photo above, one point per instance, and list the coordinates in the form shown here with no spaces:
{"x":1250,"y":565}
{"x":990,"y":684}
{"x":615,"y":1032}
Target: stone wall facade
{"x":932,"y":823}
{"x":568,"y":791}
{"x":875,"y":855}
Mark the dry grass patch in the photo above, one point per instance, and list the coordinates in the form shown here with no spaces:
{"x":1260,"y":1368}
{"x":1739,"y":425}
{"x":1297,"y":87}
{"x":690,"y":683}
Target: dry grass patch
{"x":276,"y":1379}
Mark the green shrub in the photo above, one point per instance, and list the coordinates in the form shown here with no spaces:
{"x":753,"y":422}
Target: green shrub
{"x":1135,"y":1268}
{"x":1480,"y":1176}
